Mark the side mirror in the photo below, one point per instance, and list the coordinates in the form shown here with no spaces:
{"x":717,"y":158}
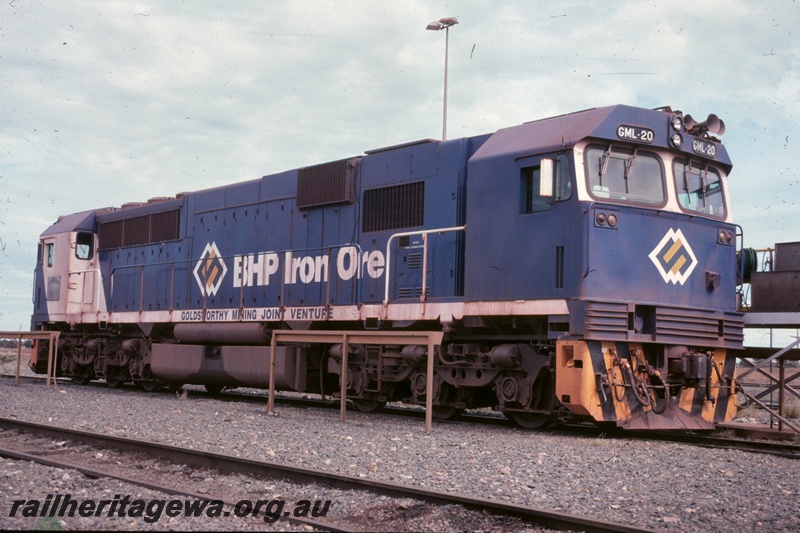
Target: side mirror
{"x":546,"y":176}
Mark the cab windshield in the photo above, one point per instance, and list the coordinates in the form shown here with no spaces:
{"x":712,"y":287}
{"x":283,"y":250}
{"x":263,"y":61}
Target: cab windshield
{"x":629,"y":175}
{"x":699,"y":188}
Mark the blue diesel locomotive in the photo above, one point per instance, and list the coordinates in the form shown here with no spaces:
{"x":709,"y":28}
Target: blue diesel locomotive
{"x":581,"y":266}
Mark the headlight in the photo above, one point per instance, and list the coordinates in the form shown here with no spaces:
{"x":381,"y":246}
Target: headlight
{"x":676,"y":139}
{"x":677,"y":123}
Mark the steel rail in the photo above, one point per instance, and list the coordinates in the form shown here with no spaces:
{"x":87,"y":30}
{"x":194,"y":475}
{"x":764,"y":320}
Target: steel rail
{"x":773,"y":447}
{"x":228,"y":464}
{"x":778,"y":449}
{"x":789,"y":451}
{"x":96,"y":474}
{"x":777,"y":446}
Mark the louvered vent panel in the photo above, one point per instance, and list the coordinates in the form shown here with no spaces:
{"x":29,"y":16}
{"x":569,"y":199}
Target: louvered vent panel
{"x":137,"y":231}
{"x":399,"y":206}
{"x":606,"y":320}
{"x":141,"y":230}
{"x":325,"y":184}
{"x":164,"y":226}
{"x":414,"y":261}
{"x":612,"y":321}
{"x":110,"y":235}
{"x":412,"y":292}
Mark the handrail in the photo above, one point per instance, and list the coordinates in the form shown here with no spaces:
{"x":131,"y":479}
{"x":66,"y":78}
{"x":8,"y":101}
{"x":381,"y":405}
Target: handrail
{"x":431,"y":338}
{"x":139,"y":266}
{"x":52,"y":353}
{"x":424,"y":234}
{"x":33,"y":288}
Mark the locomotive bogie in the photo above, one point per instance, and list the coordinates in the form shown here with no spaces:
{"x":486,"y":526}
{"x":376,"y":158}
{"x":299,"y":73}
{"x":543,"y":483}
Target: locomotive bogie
{"x":84,"y":356}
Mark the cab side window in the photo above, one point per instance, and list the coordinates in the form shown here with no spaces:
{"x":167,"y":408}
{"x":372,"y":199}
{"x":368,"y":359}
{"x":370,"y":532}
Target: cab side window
{"x":48,"y":253}
{"x":84,"y":246}
{"x":530,"y":185}
{"x":562,"y":186}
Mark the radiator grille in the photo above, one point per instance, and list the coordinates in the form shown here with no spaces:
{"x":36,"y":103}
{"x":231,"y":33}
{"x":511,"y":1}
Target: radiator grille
{"x":164,"y":226}
{"x":325,"y":184}
{"x":140,"y":230}
{"x":136,"y":231}
{"x":399,"y":206}
{"x":110,"y":235}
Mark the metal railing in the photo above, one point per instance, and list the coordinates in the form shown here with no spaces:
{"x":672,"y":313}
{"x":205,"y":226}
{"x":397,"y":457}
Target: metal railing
{"x":51,"y":336}
{"x":424,"y":234}
{"x":781,"y":384}
{"x":430,"y":339}
{"x":171,"y":266}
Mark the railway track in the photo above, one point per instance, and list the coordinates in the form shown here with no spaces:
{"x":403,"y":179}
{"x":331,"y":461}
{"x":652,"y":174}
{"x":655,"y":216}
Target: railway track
{"x":301,"y":476}
{"x":785,"y":448}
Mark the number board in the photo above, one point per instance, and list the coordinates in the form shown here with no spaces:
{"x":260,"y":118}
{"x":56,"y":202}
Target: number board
{"x":705,"y":148}
{"x":635,"y":134}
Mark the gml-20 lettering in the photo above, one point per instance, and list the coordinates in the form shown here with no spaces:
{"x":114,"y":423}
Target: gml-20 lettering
{"x":635,"y":134}
{"x":705,"y":148}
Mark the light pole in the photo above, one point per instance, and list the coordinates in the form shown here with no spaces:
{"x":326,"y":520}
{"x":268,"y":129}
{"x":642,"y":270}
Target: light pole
{"x":437,"y":25}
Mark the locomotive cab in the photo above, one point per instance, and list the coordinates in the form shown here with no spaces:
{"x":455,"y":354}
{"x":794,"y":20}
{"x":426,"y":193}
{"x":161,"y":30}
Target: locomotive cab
{"x":67,"y":289}
{"x":69,"y":271}
{"x":624,"y":257}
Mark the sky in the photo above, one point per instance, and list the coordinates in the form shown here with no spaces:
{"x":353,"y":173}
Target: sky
{"x":107,"y":102}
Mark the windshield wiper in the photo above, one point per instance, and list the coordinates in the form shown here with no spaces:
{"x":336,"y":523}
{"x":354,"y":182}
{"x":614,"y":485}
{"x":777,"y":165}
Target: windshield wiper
{"x":628,"y":168}
{"x":703,"y":174}
{"x":604,"y":164}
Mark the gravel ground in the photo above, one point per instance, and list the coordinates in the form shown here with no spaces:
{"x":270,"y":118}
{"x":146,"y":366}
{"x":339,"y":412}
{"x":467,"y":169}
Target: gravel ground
{"x":668,"y":487}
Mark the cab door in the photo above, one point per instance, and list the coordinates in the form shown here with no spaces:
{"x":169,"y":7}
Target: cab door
{"x":50,"y":294}
{"x":48,"y":291}
{"x":83,"y":274}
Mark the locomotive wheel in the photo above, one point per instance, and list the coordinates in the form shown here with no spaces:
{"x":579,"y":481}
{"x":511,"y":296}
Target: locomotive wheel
{"x":213,"y":388}
{"x":81,"y":379}
{"x":368,"y":406}
{"x":543,"y":398}
{"x":81,"y":376}
{"x":113,"y":382}
{"x":147,"y":385}
{"x":530,"y":420}
{"x":444,"y":412}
